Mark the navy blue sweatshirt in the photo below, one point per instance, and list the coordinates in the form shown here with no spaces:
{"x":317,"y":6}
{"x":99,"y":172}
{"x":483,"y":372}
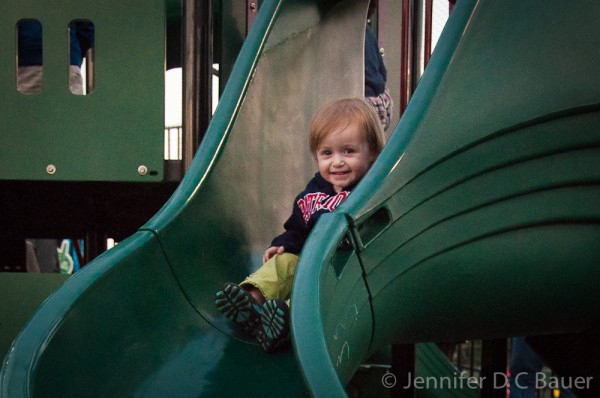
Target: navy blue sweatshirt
{"x":318,"y":197}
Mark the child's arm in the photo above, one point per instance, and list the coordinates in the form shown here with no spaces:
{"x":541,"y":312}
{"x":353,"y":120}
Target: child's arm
{"x":271,"y":251}
{"x":296,"y":232}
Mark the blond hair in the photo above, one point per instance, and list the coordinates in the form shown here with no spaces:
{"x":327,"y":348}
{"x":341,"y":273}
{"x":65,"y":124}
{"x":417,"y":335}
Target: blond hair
{"x":341,"y":113}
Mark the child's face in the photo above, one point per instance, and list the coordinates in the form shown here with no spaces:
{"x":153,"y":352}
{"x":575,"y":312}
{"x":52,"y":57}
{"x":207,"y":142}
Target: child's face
{"x":344,"y":156}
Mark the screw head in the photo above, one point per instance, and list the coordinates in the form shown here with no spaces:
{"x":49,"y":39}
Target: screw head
{"x":51,"y":169}
{"x":142,"y":170}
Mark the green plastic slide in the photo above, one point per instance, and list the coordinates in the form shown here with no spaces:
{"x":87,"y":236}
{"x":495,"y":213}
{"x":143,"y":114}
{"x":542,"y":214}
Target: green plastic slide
{"x":481,"y":217}
{"x":483,"y":204}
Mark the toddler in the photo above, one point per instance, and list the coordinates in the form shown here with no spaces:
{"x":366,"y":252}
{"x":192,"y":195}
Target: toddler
{"x":345,"y":138}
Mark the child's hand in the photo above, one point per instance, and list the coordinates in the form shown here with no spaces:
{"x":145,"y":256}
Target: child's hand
{"x":271,"y":251}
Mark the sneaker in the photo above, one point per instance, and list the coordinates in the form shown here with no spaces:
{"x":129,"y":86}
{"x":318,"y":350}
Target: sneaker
{"x":238,"y":305}
{"x":275,"y":328}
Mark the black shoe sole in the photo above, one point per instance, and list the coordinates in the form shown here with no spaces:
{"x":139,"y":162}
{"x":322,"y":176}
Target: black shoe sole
{"x":239,"y":307}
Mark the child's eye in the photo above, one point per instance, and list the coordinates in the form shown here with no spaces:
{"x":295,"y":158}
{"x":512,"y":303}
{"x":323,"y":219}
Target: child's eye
{"x":326,"y":153}
{"x":350,"y":150}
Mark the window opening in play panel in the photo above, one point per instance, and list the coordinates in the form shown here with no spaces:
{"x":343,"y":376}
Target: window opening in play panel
{"x":30,"y":56}
{"x":79,"y":67}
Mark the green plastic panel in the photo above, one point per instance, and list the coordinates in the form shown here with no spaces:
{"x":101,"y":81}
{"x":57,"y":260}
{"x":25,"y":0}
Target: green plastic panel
{"x":20,"y":295}
{"x":432,"y":365}
{"x":106,"y":135}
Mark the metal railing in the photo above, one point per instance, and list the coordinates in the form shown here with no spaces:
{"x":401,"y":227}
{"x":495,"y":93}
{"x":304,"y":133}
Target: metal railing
{"x":173,"y":143}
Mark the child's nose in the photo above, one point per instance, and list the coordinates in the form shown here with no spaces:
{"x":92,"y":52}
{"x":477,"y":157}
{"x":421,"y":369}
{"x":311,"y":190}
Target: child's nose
{"x":338,"y":160}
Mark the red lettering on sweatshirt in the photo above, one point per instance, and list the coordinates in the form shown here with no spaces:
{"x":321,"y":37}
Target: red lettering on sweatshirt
{"x":313,"y":202}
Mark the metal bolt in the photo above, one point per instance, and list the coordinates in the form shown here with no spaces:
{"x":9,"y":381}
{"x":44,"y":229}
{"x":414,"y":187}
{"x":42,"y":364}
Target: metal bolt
{"x":142,"y":170}
{"x":253,"y":7}
{"x":51,"y":169}
{"x":382,"y":51}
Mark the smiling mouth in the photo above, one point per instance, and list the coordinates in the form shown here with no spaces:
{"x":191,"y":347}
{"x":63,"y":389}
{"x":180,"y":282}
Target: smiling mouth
{"x":339,"y":173}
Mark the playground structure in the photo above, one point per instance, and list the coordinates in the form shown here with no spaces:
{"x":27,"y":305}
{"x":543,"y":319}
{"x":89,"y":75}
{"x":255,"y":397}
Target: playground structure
{"x":487,"y":193}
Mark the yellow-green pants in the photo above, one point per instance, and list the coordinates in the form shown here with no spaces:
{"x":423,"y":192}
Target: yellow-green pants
{"x":275,"y":277}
